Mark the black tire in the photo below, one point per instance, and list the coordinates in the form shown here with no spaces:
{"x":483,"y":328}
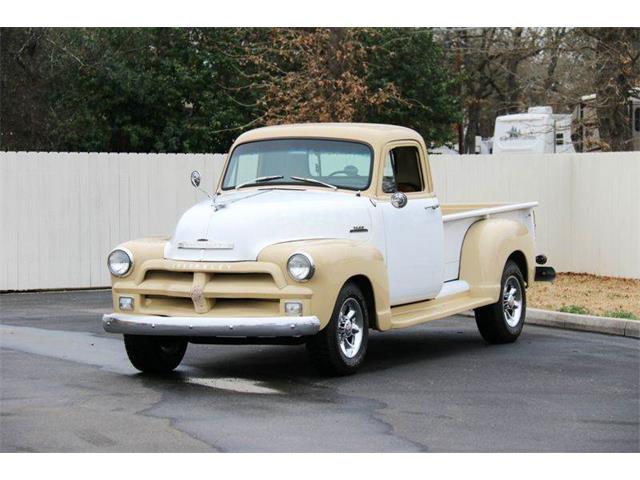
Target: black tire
{"x":324,"y":348}
{"x":496,"y":322}
{"x":154,"y":354}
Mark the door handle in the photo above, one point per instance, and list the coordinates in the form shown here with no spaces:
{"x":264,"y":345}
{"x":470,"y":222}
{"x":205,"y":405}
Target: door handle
{"x":432,"y":207}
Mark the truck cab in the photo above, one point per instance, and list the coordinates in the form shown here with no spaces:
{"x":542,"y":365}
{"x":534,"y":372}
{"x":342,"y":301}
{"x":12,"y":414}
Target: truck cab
{"x":315,"y":234}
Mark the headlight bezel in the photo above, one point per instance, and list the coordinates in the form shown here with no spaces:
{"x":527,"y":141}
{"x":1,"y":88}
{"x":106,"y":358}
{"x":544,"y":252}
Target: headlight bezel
{"x":129,"y":255}
{"x":311,"y":267}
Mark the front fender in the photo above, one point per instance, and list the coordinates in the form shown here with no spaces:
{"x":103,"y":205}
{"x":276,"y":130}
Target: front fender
{"x":485,"y":250}
{"x":337,"y":261}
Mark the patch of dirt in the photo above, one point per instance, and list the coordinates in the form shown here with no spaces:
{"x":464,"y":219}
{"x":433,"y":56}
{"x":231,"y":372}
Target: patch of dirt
{"x":598,"y":295}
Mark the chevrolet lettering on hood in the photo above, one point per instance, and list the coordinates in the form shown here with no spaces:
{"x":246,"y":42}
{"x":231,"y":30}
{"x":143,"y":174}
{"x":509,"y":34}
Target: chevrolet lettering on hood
{"x":203,"y":244}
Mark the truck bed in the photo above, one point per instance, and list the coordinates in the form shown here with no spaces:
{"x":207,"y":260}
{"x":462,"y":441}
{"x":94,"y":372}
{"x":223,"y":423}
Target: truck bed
{"x":457,"y":219}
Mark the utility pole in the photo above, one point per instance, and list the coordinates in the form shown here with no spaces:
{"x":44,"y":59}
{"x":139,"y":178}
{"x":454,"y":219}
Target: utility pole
{"x":459,"y":94}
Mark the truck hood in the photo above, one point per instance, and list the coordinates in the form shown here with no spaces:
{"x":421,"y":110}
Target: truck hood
{"x":243,"y":223}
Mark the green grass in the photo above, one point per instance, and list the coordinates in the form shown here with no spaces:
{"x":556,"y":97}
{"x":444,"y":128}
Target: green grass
{"x":611,"y":313}
{"x":620,"y":314}
{"x":574,"y":309}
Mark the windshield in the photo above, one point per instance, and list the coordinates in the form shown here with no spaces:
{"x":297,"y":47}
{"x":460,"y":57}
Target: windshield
{"x":343,"y":164}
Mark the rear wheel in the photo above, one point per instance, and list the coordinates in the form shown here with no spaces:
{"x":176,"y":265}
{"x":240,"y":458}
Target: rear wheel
{"x":340,"y":348}
{"x":502,"y":321}
{"x":155,"y":354}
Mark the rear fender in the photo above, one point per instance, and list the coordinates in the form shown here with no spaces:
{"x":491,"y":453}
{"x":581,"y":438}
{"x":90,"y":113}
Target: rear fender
{"x":485,"y":250}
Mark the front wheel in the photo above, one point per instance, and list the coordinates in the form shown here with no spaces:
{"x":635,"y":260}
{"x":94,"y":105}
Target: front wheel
{"x":340,"y":348}
{"x":502,"y":321}
{"x":154,"y":354}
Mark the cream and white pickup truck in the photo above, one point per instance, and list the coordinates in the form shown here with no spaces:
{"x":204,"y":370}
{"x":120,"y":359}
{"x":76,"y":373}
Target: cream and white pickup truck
{"x":316,"y":234}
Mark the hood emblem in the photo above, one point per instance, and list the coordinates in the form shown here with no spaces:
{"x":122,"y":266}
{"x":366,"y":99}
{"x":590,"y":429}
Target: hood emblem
{"x":358,"y":229}
{"x":205,"y":244}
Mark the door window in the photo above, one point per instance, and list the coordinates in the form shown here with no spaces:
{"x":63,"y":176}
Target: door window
{"x":402,"y":171}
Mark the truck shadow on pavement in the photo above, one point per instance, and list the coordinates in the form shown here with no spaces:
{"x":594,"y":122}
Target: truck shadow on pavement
{"x":394,"y":350}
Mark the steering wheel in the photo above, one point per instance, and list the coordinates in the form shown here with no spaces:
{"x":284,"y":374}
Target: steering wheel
{"x":349,"y":171}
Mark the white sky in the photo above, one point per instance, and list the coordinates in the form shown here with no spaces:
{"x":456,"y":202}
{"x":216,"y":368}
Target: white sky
{"x":470,"y":13}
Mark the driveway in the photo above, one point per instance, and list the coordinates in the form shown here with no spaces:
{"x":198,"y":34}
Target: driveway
{"x":65,"y":385}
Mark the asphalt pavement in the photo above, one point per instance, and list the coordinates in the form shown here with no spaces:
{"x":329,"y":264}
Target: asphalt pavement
{"x":65,"y":385}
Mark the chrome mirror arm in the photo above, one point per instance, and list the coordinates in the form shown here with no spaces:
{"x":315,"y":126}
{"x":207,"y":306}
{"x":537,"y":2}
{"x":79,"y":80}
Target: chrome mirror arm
{"x":196,"y":178}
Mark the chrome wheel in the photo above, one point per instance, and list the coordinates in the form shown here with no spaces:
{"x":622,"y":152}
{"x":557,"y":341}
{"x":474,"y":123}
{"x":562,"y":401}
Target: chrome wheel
{"x":512,"y":301}
{"x":350,"y":327}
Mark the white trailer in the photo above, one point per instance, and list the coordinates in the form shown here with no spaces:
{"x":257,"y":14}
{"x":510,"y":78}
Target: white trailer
{"x":537,"y":131}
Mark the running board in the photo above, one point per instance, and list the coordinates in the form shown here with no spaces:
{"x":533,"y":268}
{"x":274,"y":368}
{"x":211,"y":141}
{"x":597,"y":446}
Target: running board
{"x":416,"y":313}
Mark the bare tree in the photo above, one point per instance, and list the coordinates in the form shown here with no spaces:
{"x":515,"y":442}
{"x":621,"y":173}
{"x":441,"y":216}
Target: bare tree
{"x":505,"y":70}
{"x":616,"y":72}
{"x":490,"y":70}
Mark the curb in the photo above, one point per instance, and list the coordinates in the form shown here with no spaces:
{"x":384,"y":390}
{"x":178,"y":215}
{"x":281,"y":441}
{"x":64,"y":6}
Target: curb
{"x":584,"y":323}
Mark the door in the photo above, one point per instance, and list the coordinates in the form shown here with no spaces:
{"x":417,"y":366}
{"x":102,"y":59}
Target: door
{"x":414,"y":237}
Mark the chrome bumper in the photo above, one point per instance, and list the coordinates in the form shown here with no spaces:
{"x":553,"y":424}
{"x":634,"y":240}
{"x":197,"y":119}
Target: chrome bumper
{"x":211,"y":326}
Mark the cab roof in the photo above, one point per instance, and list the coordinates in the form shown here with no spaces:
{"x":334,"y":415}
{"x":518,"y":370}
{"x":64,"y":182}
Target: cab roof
{"x":372,"y":133}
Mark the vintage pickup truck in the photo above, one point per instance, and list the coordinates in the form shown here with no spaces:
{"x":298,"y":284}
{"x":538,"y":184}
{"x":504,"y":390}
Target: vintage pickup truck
{"x":315,"y":234}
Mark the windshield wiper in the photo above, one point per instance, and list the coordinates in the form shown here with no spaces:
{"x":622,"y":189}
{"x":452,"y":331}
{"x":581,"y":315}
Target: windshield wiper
{"x":259,"y":180}
{"x":313,"y":180}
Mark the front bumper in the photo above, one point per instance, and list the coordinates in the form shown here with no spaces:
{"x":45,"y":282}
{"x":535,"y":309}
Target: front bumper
{"x":211,"y":326}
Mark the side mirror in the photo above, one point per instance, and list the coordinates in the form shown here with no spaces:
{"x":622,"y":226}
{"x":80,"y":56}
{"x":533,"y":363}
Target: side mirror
{"x":399,"y":200}
{"x":195,"y":178}
{"x":195,"y":181}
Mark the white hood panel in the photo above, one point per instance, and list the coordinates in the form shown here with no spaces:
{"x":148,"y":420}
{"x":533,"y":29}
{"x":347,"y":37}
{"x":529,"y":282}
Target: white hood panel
{"x":250,"y":221}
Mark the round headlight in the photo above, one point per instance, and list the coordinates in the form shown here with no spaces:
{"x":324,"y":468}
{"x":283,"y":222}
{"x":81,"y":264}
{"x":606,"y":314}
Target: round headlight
{"x":300,"y":267}
{"x":120,"y":262}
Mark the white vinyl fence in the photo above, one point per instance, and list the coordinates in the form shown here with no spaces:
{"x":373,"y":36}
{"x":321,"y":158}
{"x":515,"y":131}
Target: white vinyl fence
{"x":588,"y":218}
{"x":61,"y":213}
